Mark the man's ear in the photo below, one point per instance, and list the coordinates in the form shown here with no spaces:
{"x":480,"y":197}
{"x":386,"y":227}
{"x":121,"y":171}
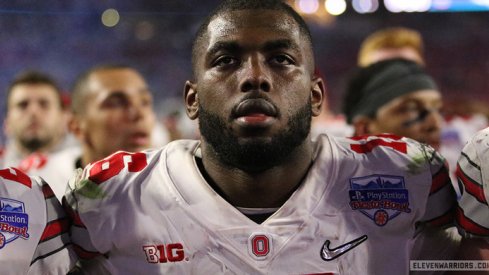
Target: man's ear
{"x":6,"y":128}
{"x":318,"y":92}
{"x":77,"y":127}
{"x":191,"y":100}
{"x":362,"y":125}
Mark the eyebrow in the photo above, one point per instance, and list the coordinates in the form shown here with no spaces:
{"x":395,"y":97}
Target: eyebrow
{"x":233,"y":46}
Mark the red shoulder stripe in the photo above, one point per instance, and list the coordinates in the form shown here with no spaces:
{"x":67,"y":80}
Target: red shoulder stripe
{"x":440,"y":179}
{"x":391,"y":136}
{"x":17,"y":176}
{"x":471,"y":186}
{"x":469,"y":225}
{"x":84,"y":254}
{"x":55,"y":228}
{"x":47,"y":191}
{"x":370,"y":145}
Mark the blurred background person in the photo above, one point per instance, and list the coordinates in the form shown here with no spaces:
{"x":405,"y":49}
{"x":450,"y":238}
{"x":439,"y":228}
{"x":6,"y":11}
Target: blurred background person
{"x":396,"y":96}
{"x":112,"y":110}
{"x":36,"y":121}
{"x":391,"y":43}
{"x":460,"y":119}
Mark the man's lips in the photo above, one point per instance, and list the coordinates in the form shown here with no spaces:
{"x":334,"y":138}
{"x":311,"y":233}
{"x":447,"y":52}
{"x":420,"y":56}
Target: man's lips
{"x":256,"y":111}
{"x":139,"y":138}
{"x":255,"y":106}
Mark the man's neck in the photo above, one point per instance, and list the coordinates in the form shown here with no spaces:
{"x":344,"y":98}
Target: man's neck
{"x":270,"y":188}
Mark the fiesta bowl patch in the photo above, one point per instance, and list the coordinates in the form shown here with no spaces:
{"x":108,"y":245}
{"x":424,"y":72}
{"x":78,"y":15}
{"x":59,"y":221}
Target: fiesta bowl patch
{"x":14,"y":222}
{"x":379,"y":197}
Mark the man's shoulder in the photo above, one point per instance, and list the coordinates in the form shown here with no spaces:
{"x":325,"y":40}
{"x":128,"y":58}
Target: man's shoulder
{"x":381,"y":144}
{"x":123,"y":169}
{"x":479,"y":143}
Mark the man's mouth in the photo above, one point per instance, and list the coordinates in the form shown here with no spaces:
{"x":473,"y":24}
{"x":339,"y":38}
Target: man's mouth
{"x":140,"y":139}
{"x":255,"y":112}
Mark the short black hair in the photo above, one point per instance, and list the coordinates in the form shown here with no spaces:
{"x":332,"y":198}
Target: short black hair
{"x":369,"y":88}
{"x":79,"y":90}
{"x":238,"y":5}
{"x":35,"y":78}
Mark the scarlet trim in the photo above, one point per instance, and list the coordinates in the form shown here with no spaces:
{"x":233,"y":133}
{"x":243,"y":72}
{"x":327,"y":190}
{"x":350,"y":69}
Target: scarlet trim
{"x":370,"y":145}
{"x":84,"y":254}
{"x":440,"y":179}
{"x":55,"y":228}
{"x":469,"y":225}
{"x":19,"y":176}
{"x":391,"y":136}
{"x":47,"y":191}
{"x":471,"y":186}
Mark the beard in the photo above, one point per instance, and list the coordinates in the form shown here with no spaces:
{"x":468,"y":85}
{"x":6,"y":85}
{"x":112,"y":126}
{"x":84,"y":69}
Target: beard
{"x":33,"y":144}
{"x":256,"y":154}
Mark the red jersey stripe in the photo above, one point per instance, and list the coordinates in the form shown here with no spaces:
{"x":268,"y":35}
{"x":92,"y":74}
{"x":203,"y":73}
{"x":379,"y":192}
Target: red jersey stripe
{"x":440,"y":179}
{"x":471,"y":186}
{"x":469,"y":225}
{"x":55,"y":228}
{"x":370,"y":145}
{"x":84,"y":254}
{"x":47,"y":191}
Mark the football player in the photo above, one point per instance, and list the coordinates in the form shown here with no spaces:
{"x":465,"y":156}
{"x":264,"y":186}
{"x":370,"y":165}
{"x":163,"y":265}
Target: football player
{"x":36,"y":121}
{"x":255,"y":195}
{"x":33,"y":227}
{"x":111,"y":110}
{"x":473,"y":176}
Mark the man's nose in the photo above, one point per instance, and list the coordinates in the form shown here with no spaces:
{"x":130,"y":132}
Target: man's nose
{"x":256,"y":76}
{"x":433,"y":120}
{"x":135,"y":111}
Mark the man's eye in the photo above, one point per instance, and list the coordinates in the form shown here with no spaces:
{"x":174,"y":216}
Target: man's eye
{"x":282,"y":60}
{"x":225,"y":61}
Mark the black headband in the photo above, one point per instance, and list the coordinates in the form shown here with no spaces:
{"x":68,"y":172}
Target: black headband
{"x":395,"y":78}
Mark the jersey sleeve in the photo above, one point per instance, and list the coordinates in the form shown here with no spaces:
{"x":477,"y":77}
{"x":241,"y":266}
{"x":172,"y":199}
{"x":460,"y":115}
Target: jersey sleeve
{"x":440,"y":207}
{"x":95,"y":197}
{"x":80,"y":236}
{"x":54,"y":253}
{"x":472,"y":168}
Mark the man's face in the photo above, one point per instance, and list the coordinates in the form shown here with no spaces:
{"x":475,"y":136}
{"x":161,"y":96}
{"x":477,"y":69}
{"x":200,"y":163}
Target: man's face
{"x":414,"y":115}
{"x":34,"y":117}
{"x":255,"y":92}
{"x":119,"y":113}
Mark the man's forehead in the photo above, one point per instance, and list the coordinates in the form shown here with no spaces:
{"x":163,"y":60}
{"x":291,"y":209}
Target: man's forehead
{"x":33,"y":91}
{"x":231,"y":23}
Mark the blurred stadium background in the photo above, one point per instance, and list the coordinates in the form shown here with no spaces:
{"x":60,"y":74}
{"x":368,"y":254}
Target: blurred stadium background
{"x":64,"y":38}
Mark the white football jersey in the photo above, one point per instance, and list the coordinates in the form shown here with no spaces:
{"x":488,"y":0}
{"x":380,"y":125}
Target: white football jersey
{"x":33,"y":227}
{"x":56,"y":168}
{"x":354,"y":213}
{"x":473,"y":176}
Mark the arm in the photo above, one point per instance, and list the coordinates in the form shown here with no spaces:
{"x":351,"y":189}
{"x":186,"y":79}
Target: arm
{"x":472,"y":211}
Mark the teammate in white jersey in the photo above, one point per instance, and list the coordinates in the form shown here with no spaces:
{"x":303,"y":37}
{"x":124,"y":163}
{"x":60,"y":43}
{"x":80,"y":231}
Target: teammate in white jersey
{"x":472,"y":213}
{"x":33,"y":227}
{"x":255,"y":195}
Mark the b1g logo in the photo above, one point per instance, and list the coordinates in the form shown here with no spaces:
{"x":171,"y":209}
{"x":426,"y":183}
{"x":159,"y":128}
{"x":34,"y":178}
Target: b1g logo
{"x":14,"y":222}
{"x":172,"y":252}
{"x":379,"y":197}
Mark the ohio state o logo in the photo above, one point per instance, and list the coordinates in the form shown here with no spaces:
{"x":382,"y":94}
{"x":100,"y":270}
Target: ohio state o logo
{"x":260,"y":246}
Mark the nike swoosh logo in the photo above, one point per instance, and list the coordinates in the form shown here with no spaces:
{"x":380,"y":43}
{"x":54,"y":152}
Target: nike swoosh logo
{"x":329,"y":254}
